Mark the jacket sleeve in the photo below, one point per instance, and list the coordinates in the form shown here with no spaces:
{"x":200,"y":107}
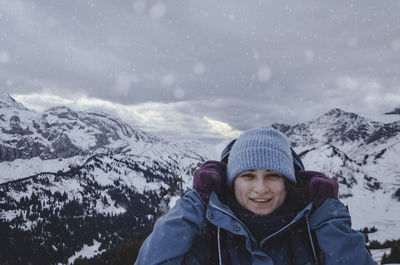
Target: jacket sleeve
{"x":174,"y":233}
{"x":338,"y":243}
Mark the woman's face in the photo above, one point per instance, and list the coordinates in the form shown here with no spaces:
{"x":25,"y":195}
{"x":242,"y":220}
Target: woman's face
{"x":260,"y":191}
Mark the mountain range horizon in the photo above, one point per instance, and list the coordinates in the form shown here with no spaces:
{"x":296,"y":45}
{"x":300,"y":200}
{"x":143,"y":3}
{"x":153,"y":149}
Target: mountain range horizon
{"x":66,"y":173}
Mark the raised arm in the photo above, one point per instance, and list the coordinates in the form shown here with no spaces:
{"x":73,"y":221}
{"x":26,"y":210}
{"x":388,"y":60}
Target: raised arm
{"x":337,"y":241}
{"x":174,"y":233}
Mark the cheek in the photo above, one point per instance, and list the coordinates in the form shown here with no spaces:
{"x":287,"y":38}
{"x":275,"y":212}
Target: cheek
{"x":239,"y":188}
{"x":280,"y":188}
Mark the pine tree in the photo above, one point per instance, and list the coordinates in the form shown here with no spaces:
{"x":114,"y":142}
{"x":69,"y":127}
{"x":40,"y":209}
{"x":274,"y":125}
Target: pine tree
{"x":394,"y":256}
{"x":384,"y":259}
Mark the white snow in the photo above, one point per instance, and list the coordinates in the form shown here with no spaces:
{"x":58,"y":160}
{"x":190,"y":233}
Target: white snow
{"x":158,"y":11}
{"x":9,"y":215}
{"x":309,"y":55}
{"x":172,"y":201}
{"x":199,"y":68}
{"x":86,"y":252}
{"x":352,"y":42}
{"x":4,"y":57}
{"x":367,"y":208}
{"x":80,"y":137}
{"x":264,"y":73}
{"x":395,"y":44}
{"x":377,"y":254}
{"x":21,"y":168}
{"x":169,"y":79}
{"x":139,"y":6}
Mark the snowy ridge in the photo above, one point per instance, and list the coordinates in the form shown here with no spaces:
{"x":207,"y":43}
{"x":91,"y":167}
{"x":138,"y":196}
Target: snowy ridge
{"x":74,"y":174}
{"x":61,"y":132}
{"x":87,"y":183}
{"x":93,"y":181}
{"x":6,"y":101}
{"x":107,"y":188}
{"x":60,"y":136}
{"x":362,"y":155}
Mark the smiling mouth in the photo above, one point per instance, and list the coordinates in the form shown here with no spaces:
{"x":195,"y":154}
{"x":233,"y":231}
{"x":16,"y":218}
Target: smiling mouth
{"x":261,"y":200}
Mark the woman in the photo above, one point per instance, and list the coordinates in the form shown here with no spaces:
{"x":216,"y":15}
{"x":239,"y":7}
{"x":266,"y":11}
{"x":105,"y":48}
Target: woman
{"x":256,"y":209}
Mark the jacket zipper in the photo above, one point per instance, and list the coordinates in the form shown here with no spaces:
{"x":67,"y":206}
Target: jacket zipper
{"x":311,"y":240}
{"x":280,"y":230}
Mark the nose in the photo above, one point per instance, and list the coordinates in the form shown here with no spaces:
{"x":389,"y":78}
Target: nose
{"x":261,"y":185}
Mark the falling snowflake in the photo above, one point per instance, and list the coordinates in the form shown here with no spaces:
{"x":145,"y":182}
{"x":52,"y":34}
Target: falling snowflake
{"x":51,"y":22}
{"x":158,"y":11}
{"x":139,"y":6}
{"x":309,"y":55}
{"x":179,"y":93}
{"x":114,"y":41}
{"x":256,"y":55}
{"x":352,"y":42}
{"x":4,"y":57}
{"x":169,"y":79}
{"x":264,"y":73}
{"x":396,"y":45}
{"x":123,"y":83}
{"x":199,"y":68}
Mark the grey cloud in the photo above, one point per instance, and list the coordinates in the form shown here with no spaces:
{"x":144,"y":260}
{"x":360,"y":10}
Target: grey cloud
{"x":260,"y":62}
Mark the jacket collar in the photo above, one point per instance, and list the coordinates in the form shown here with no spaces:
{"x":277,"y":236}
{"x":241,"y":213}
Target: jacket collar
{"x":222,"y":216}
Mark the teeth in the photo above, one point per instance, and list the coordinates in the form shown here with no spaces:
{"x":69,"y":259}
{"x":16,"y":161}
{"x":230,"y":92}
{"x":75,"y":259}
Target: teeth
{"x":259,"y":200}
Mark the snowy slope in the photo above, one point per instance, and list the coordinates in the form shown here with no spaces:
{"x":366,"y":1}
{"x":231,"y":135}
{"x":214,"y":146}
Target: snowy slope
{"x":362,"y":155}
{"x":125,"y":151}
{"x":33,"y":142}
{"x":82,"y":177}
{"x":92,"y":181}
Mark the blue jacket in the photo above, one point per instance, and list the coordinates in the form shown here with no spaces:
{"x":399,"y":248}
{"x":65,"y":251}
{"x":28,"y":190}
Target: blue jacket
{"x":183,"y":236}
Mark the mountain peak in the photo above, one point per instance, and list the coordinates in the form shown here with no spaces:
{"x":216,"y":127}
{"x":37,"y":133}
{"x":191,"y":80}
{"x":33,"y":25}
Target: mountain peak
{"x":336,"y":112}
{"x":59,"y":109}
{"x":395,"y":111}
{"x":6,"y":101}
{"x":339,"y":113}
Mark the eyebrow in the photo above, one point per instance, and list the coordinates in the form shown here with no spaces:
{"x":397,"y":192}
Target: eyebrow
{"x":275,"y":174}
{"x":269,"y":172}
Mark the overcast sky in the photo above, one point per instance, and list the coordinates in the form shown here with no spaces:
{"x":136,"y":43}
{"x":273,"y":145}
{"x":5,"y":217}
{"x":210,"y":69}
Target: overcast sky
{"x":202,"y":69}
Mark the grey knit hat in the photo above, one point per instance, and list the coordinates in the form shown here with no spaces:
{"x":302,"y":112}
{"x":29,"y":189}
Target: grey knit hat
{"x":261,"y":148}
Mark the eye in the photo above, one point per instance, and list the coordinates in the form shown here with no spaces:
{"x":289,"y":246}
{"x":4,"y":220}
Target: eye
{"x":274,"y":176}
{"x":247,"y":175}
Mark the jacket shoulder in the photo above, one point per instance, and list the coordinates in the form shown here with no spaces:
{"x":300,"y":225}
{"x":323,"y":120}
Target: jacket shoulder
{"x":175,"y":233}
{"x":337,"y":241}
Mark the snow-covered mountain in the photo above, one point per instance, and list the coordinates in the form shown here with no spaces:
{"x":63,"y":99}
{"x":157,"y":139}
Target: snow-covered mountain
{"x":58,"y":138}
{"x":363,"y":156}
{"x":69,"y":180}
{"x":395,"y":111}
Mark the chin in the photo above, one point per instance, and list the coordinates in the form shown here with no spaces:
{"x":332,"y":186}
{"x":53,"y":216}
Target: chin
{"x":261,"y":212}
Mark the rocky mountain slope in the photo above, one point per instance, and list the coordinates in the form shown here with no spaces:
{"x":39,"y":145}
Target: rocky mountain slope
{"x":362,"y":155}
{"x":72,"y":181}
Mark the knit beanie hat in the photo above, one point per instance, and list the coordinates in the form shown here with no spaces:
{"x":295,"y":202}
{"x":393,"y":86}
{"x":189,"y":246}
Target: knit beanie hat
{"x":261,"y":148}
